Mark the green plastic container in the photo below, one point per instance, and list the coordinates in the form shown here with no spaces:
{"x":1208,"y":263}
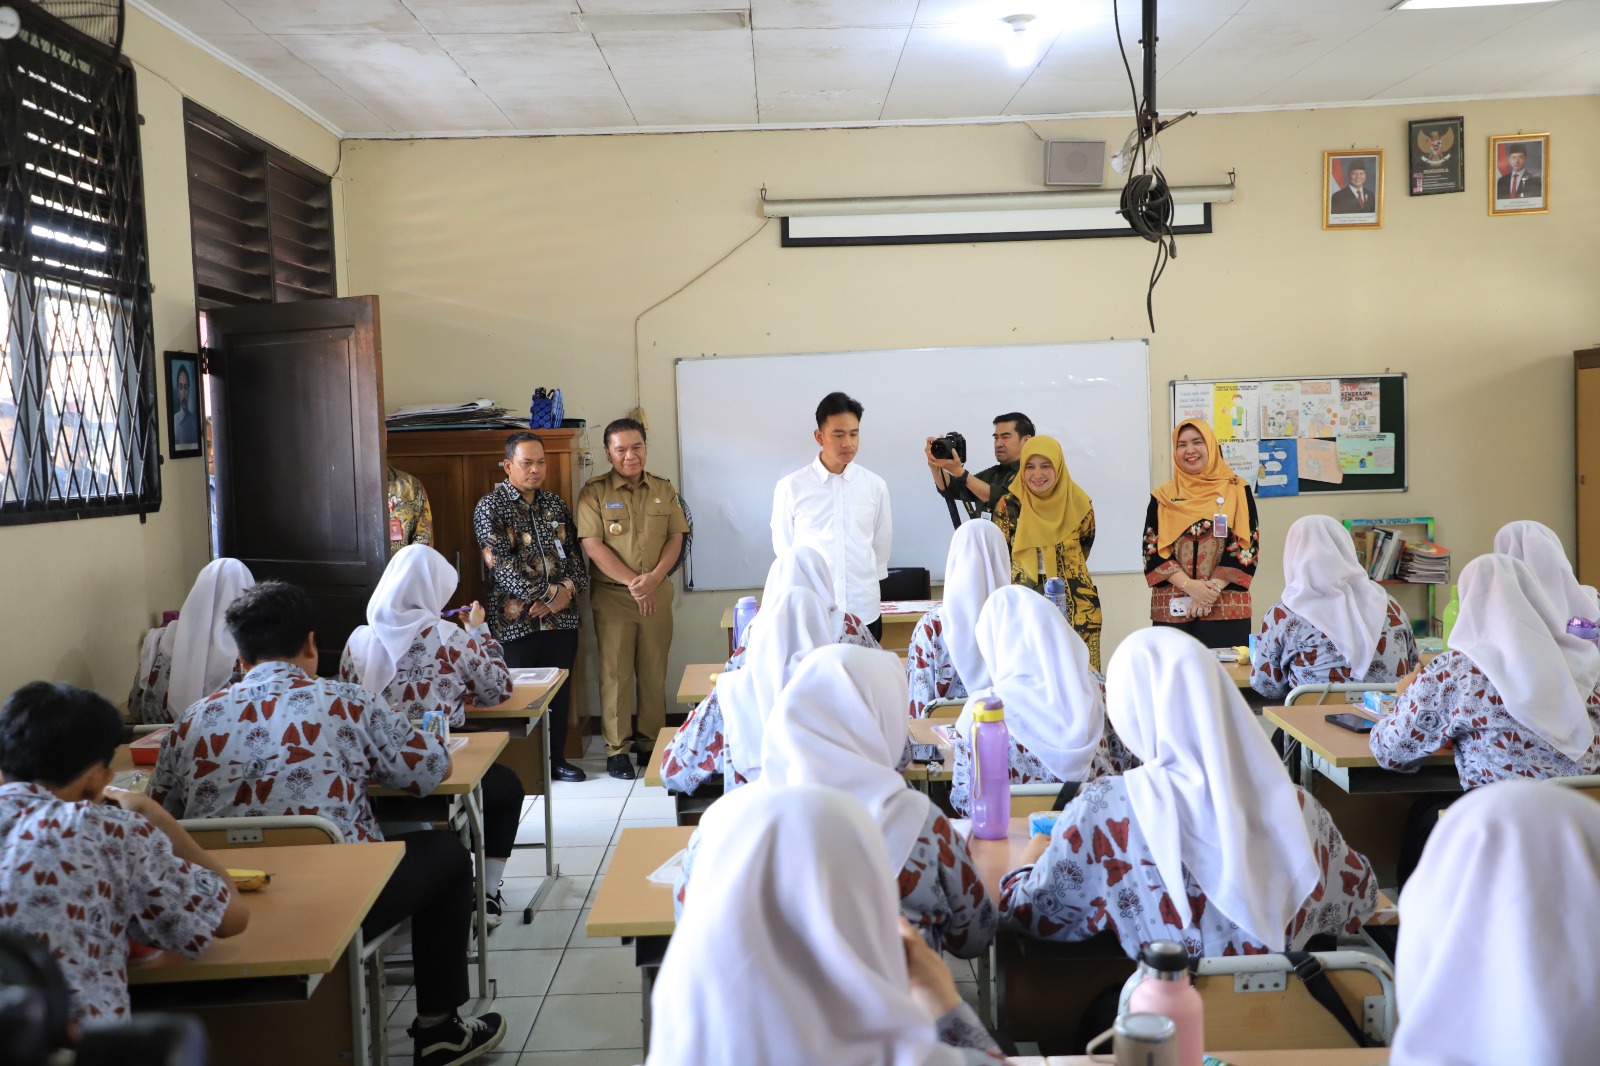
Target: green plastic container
{"x":1451,"y":609}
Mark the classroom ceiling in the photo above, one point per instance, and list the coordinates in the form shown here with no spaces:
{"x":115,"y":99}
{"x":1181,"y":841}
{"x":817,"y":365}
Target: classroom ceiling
{"x":443,"y":67}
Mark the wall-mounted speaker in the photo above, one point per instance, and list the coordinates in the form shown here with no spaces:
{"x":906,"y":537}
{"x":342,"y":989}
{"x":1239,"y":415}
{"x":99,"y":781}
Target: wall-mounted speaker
{"x":1075,"y":163}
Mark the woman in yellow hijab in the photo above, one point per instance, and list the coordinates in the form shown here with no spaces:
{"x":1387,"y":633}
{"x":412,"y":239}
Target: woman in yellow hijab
{"x":1200,"y":582}
{"x":1048,"y":521}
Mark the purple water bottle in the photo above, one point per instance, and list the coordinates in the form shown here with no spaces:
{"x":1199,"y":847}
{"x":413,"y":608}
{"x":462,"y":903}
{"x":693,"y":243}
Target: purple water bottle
{"x":1584,"y":629}
{"x":991,"y":770}
{"x":744,"y":612}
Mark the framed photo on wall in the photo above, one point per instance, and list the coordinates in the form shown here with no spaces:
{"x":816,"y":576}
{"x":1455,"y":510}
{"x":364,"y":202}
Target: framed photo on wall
{"x":183,"y":404}
{"x":1436,"y":147}
{"x":1352,"y":189}
{"x":1519,"y":174}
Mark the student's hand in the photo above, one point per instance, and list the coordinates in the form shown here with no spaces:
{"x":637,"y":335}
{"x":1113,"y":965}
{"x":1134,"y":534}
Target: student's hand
{"x":476,"y":615}
{"x":137,"y":802}
{"x":932,"y":985}
{"x":646,"y":602}
{"x":1035,"y":849}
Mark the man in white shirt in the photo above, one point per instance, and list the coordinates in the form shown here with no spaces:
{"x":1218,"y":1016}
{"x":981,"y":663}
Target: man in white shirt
{"x":841,"y":509}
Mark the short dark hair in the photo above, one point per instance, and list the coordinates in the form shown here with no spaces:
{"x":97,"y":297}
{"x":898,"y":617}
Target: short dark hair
{"x":50,"y":733}
{"x":837,"y":403}
{"x":1023,"y":422}
{"x":183,"y":372}
{"x":1516,"y":149}
{"x":521,"y":438}
{"x":1356,"y":164}
{"x":270,"y":620}
{"x":623,"y":425}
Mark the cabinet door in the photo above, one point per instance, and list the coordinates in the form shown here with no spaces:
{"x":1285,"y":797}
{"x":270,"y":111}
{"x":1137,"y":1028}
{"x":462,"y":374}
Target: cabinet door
{"x":1588,"y":465}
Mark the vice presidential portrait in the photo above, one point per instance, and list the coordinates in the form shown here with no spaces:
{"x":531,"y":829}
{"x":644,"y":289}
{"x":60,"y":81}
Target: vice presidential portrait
{"x":1518,"y":166}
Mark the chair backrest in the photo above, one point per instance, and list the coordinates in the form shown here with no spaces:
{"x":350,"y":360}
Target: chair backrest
{"x":1255,"y":1002}
{"x":1033,"y":796}
{"x":950,"y":709}
{"x":1589,"y":784}
{"x":280,"y":831}
{"x":1332,"y":692}
{"x":906,"y":583}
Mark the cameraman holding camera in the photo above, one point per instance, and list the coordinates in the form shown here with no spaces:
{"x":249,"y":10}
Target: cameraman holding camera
{"x":981,"y":491}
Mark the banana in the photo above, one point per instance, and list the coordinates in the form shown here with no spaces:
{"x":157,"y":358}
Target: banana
{"x":250,"y":880}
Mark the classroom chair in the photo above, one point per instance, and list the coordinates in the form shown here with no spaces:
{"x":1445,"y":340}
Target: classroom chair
{"x":1257,"y":1002}
{"x":1031,"y":796}
{"x":945,"y":709}
{"x":1344,"y":690}
{"x":1589,"y":784}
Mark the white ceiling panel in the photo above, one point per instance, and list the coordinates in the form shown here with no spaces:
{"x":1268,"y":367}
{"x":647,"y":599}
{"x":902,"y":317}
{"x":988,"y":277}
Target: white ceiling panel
{"x":1250,"y":52}
{"x":320,"y":16}
{"x":830,"y":14}
{"x":657,"y":7}
{"x":283,"y":68}
{"x":203,"y":17}
{"x":837,"y":75}
{"x":407,"y":81}
{"x":494,"y":16}
{"x":1538,"y":44}
{"x":684,"y":77}
{"x":544,"y":81}
{"x":950,"y":72}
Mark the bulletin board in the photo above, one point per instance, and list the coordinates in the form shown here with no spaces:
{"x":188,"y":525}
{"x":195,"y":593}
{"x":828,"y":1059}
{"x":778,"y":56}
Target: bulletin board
{"x":1302,"y":435}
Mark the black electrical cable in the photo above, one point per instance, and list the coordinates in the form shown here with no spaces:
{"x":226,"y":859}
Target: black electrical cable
{"x":1146,"y":199}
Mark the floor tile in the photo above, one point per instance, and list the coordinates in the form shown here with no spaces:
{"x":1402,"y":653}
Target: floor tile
{"x":571,"y":833}
{"x":581,"y":1023}
{"x":641,"y":823}
{"x":590,"y":810}
{"x":639,"y":807}
{"x":597,"y":787}
{"x":961,"y":969}
{"x":581,"y":939}
{"x":528,"y":804}
{"x":579,"y":862}
{"x":523,"y":973}
{"x":567,"y":895}
{"x":529,"y":862}
{"x":586,"y":971}
{"x":531,"y":831}
{"x":622,"y":1057}
{"x":549,"y":929}
{"x":520,"y":1012}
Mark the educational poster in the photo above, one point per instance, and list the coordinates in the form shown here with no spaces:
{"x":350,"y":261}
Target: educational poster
{"x":1358,"y":402}
{"x":1280,"y":409}
{"x":1241,"y":456}
{"x":1371,"y":453}
{"x":1278,"y":468}
{"x":1191,"y":399}
{"x":1319,"y":408}
{"x":1237,"y":410}
{"x":1319,"y":461}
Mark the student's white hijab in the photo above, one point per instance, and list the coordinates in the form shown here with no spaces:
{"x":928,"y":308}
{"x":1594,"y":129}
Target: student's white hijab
{"x":198,"y":645}
{"x":1518,"y":637}
{"x":978,"y":563}
{"x":1040,"y":670}
{"x":414,"y":589}
{"x":1492,"y":968}
{"x":785,"y":954}
{"x":1538,"y":546}
{"x":803,"y":568}
{"x":796,"y":622}
{"x":841,"y":722}
{"x":1325,"y":585}
{"x":1211,"y":794}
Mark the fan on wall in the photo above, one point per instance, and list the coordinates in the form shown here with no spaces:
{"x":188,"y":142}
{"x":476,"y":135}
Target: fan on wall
{"x":57,"y":61}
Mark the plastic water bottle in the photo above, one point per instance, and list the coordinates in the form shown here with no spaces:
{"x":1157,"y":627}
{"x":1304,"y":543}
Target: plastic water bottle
{"x":1055,"y":590}
{"x":1584,"y":629}
{"x":1219,"y":521}
{"x":1165,"y":989}
{"x":1451,"y":609}
{"x":744,"y":612}
{"x":991,"y":770}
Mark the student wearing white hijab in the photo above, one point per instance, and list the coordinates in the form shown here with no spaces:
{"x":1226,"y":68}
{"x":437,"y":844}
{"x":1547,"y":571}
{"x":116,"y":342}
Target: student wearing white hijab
{"x":1334,"y":623}
{"x":1207,"y":843}
{"x":723,"y":735}
{"x":943,"y":661}
{"x":1054,"y":700}
{"x":1489,"y":970}
{"x":1538,"y":546}
{"x":784,"y":954}
{"x":193,"y":656}
{"x":805,"y":568}
{"x":418,"y":660}
{"x":1515,"y":693}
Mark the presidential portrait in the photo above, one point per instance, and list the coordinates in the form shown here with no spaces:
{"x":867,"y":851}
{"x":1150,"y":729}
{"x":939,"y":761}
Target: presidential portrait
{"x":1519,"y":174}
{"x":1352,"y":189}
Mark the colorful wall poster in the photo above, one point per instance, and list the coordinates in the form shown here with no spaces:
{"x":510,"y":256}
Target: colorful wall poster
{"x":1278,"y":468}
{"x":1237,"y":410}
{"x":1370,"y":453}
{"x":1280,"y":409}
{"x":1358,"y":399}
{"x":1319,"y":461}
{"x":1319,"y":408}
{"x":1191,"y":399}
{"x":1241,"y":456}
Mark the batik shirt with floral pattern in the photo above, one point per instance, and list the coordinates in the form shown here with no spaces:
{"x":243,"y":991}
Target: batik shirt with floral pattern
{"x":855,"y":632}
{"x":147,"y":701}
{"x":1291,"y":652}
{"x":83,"y":878}
{"x":531,"y":549}
{"x":446,"y":668}
{"x":1099,"y":873}
{"x":940,"y":890}
{"x":1452,"y":700}
{"x":410,"y":517}
{"x":1203,"y":557}
{"x":930,"y":672}
{"x":281,"y":742}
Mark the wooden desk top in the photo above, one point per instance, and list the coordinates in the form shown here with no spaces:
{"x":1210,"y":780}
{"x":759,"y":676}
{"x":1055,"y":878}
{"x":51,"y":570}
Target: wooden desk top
{"x":1355,"y":1056}
{"x":627,"y":904}
{"x":996,"y":858}
{"x":1238,"y":673}
{"x":652,"y":773}
{"x":467,"y":766}
{"x":1340,"y":747}
{"x":898,"y":615}
{"x":921,"y":730}
{"x":526,"y":702}
{"x":299,"y":924}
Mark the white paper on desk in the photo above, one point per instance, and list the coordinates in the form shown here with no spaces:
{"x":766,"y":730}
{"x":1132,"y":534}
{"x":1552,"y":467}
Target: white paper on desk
{"x":542,"y":676}
{"x":963,"y":827}
{"x":456,"y":743}
{"x":667,"y":872}
{"x":947,"y":733}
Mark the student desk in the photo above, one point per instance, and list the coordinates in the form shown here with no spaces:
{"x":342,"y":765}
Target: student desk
{"x":917,"y":773}
{"x":262,"y":994}
{"x":697,"y":682}
{"x":900,"y":618}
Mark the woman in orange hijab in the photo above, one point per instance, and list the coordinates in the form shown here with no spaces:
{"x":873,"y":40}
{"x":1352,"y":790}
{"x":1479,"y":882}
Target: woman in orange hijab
{"x":1200,"y":582}
{"x":1048,"y":521}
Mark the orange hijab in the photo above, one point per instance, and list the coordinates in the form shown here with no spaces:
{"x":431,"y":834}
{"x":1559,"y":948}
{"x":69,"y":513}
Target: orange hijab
{"x":1190,"y":498}
{"x":1051,"y":519}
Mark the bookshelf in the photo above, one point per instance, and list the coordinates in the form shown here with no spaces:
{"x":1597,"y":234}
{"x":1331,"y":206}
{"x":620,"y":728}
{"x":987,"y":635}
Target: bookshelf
{"x":1409,"y":529}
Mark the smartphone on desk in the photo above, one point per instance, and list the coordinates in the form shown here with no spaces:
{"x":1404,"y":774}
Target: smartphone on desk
{"x":1353,"y":722}
{"x":926,"y":753}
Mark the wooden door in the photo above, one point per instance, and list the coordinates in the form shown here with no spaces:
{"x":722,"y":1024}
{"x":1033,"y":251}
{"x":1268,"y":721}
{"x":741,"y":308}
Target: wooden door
{"x":1588,"y":465}
{"x":294,"y":402}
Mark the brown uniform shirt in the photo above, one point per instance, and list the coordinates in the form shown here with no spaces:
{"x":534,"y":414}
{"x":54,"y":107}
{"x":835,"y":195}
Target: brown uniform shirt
{"x":634,"y":522}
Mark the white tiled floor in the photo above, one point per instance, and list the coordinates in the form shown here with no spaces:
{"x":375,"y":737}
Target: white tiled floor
{"x":566,"y":998}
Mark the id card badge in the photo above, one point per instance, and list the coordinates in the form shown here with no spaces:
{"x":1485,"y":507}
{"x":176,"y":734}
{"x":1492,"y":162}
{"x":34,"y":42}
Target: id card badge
{"x":1180,"y":605}
{"x":561,"y":553}
{"x":397,"y":532}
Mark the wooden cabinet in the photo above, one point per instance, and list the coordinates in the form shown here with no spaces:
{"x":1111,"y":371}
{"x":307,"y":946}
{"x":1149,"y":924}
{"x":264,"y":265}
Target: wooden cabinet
{"x":1588,"y":465}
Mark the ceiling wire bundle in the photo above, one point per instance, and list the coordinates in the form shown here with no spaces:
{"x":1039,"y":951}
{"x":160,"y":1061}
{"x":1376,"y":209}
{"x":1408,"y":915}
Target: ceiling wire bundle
{"x":1147,"y":198}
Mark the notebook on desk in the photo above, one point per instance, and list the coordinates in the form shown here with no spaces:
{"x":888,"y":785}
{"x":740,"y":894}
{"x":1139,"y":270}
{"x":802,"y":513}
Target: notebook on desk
{"x":540,"y":676}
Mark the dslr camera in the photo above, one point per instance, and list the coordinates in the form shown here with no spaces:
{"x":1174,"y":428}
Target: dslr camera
{"x":950,"y":446}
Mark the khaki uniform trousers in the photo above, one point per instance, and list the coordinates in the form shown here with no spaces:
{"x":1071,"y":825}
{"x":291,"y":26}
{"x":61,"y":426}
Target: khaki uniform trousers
{"x":633,"y":662}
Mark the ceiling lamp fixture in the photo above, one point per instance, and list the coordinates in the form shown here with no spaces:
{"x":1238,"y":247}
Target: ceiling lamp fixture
{"x":1021,"y":48}
{"x":1429,"y":5}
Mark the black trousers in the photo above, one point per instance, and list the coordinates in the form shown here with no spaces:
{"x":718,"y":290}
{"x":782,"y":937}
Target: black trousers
{"x":552,"y":647}
{"x":1215,"y":632}
{"x":502,"y":810}
{"x":433,"y":887}
{"x":875,"y":627}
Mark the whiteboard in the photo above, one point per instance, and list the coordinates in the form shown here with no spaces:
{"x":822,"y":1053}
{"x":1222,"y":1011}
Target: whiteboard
{"x":746,"y":421}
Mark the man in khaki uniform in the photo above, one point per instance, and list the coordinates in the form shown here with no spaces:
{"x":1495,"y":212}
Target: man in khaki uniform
{"x":631,"y":525}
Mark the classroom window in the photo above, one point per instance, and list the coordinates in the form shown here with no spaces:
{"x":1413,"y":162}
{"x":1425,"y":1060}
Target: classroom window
{"x":261,"y":221}
{"x":78,"y":431}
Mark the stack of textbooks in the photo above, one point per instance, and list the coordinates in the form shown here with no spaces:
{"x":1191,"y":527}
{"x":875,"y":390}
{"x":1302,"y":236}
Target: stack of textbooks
{"x":1389,"y":558}
{"x":1425,"y":563}
{"x":474,"y":414}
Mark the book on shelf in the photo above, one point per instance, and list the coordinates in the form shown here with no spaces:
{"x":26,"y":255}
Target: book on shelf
{"x":1425,"y":563}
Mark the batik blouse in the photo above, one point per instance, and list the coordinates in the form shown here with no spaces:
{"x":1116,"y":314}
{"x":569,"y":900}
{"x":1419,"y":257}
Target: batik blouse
{"x":1203,"y":557}
{"x":1291,"y":652}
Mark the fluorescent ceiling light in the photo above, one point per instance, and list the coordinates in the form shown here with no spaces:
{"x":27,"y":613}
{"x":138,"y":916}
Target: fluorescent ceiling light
{"x":653,"y":23}
{"x":1427,"y":5}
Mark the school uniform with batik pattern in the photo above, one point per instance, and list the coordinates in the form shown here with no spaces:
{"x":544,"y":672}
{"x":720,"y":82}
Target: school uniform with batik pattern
{"x":942,"y":661}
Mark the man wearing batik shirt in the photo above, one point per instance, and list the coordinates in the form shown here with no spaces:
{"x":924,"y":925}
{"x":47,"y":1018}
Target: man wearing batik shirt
{"x":85,"y":868}
{"x":283,"y":742}
{"x":536,"y":570}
